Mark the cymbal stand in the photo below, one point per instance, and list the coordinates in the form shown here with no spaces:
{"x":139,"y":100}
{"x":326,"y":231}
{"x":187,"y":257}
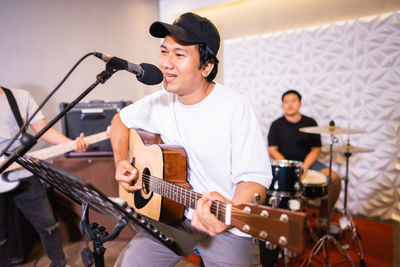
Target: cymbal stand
{"x":346,"y":222}
{"x":323,"y":242}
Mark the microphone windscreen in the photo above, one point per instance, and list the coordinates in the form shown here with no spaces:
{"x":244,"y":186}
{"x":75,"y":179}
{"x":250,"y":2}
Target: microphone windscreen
{"x":151,"y":74}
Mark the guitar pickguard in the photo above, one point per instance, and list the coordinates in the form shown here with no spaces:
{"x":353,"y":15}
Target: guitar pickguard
{"x":140,"y":201}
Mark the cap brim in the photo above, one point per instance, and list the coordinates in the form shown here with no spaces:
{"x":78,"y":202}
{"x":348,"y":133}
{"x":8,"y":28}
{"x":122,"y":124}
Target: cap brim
{"x":160,"y":30}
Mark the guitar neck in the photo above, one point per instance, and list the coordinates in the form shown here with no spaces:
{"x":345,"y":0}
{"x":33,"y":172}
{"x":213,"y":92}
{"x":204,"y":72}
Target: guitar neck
{"x":56,"y":150}
{"x":187,"y":197}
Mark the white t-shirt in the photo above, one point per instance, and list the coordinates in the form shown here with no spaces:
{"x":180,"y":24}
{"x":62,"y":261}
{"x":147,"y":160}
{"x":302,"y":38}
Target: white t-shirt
{"x":8,"y":124}
{"x":26,"y":105}
{"x":221,"y":137}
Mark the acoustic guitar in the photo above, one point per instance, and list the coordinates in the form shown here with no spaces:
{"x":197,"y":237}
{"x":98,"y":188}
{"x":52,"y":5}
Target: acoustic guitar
{"x":165,"y":193}
{"x":9,"y":182}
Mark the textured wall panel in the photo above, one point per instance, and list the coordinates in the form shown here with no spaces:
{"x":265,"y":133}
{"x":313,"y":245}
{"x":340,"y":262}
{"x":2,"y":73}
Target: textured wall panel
{"x":347,"y":71}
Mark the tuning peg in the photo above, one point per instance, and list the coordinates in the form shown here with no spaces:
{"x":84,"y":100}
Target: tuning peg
{"x":294,"y":204}
{"x":256,"y":198}
{"x":282,"y":241}
{"x":246,"y":228}
{"x":273,"y":202}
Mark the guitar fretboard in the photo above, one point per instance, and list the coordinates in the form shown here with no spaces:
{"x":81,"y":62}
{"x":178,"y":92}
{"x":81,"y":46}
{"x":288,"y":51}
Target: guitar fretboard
{"x":56,"y":150}
{"x":186,"y":197}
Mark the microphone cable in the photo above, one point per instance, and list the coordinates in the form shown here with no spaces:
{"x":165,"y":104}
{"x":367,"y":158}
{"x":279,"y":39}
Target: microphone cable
{"x":44,"y":102}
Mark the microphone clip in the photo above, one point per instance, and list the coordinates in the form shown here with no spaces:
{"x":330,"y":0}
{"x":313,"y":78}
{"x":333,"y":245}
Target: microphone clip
{"x":115,"y":64}
{"x":103,"y":76}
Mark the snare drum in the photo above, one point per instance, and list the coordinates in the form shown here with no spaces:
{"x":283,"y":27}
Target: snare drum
{"x":286,"y":175}
{"x":314,"y":184}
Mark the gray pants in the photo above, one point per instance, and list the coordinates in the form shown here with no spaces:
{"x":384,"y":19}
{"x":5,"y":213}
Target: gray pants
{"x":31,"y":199}
{"x":225,"y":249}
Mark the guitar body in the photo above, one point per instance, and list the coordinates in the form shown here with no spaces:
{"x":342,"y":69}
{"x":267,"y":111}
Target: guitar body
{"x":151,"y":157}
{"x":165,"y":192}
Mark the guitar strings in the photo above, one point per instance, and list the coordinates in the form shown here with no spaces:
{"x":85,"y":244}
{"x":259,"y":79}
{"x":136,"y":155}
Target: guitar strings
{"x":217,"y":207}
{"x":188,"y":194}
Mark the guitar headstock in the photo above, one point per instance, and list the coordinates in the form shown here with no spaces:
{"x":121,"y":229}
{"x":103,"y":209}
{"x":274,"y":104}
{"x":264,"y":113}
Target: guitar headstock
{"x":281,"y":227}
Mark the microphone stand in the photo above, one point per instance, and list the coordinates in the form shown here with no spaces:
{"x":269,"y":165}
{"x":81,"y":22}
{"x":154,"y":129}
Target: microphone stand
{"x":28,"y":141}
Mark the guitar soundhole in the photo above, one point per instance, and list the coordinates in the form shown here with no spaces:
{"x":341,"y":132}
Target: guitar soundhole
{"x":145,"y":180}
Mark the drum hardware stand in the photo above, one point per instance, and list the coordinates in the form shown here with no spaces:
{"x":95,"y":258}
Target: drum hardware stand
{"x":313,"y":235}
{"x":347,"y":219}
{"x":323,"y":242}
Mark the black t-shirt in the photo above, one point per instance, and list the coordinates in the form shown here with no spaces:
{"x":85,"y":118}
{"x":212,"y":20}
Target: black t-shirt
{"x":291,"y":143}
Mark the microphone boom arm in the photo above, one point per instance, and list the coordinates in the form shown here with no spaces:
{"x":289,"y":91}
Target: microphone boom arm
{"x":28,"y":141}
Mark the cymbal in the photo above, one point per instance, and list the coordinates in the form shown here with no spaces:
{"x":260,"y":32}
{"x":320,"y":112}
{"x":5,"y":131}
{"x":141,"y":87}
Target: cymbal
{"x":347,"y":149}
{"x":329,"y":130}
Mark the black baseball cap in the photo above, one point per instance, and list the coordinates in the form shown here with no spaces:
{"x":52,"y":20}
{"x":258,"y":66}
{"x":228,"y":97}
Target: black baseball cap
{"x":189,"y":28}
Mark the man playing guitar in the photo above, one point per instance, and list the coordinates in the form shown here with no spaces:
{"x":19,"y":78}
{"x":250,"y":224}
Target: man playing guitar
{"x":226,"y":153}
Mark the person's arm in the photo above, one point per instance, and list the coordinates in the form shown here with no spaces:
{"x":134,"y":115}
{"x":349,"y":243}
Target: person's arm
{"x":54,"y":137}
{"x":311,"y":157}
{"x":249,"y":158}
{"x":274,"y":153}
{"x":205,"y":221}
{"x":125,"y":173}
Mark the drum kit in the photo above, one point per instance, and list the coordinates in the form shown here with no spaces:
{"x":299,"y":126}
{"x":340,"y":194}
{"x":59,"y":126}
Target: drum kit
{"x":290,"y":187}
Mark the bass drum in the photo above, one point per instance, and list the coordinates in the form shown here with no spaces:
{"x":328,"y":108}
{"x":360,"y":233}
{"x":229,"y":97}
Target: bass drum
{"x":314,"y":184}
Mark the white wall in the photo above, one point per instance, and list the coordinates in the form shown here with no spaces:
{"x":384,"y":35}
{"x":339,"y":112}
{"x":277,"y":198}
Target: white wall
{"x":346,"y":71}
{"x":374,"y":94}
{"x":41,"y":40}
{"x":170,"y":9}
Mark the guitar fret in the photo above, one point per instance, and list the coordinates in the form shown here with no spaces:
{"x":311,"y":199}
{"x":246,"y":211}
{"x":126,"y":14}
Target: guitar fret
{"x":217,"y":211}
{"x":180,"y":195}
{"x":184,"y":197}
{"x":172,"y":193}
{"x":190,"y":199}
{"x":176,"y":194}
{"x":160,"y":187}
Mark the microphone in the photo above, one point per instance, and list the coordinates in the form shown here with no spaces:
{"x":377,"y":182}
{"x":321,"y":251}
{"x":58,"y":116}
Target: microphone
{"x":145,"y":73}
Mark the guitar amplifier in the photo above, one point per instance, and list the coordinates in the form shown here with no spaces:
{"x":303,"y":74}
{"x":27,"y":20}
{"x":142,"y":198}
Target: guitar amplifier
{"x":90,"y":118}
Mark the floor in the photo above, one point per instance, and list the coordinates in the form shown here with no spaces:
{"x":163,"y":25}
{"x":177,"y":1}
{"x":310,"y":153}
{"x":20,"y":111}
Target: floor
{"x":37,"y":258}
{"x":72,"y":252}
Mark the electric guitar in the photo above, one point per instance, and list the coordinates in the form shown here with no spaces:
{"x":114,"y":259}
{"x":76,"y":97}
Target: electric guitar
{"x":8,"y":181}
{"x":165,"y":193}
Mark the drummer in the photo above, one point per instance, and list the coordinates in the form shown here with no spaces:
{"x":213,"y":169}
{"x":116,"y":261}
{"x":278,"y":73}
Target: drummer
{"x":286,"y":142}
